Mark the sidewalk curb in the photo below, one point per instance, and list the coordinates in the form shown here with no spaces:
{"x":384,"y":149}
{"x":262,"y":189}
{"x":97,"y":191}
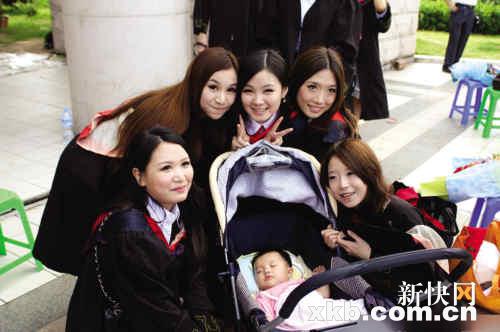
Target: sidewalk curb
{"x":39,"y":307}
{"x":440,"y":59}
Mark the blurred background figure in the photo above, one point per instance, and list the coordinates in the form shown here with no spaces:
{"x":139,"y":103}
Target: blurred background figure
{"x":461,"y":23}
{"x":301,"y":24}
{"x":240,"y":26}
{"x":369,"y":95}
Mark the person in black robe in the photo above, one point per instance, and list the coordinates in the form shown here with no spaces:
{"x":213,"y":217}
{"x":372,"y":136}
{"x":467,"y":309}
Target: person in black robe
{"x":145,"y":261}
{"x":373,"y":95}
{"x":240,"y":26}
{"x":330,"y":23}
{"x":371,"y":222}
{"x":315,"y":81}
{"x":85,"y":176}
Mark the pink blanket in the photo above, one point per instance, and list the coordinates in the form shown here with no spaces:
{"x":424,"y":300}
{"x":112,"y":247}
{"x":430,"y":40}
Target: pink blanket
{"x":312,"y":312}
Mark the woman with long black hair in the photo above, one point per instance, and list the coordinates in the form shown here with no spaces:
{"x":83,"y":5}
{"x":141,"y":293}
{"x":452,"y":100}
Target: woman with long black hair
{"x":145,"y":261}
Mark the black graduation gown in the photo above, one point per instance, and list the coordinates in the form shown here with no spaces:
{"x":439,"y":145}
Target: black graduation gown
{"x":386,"y":234}
{"x":312,"y":140}
{"x":371,"y":80}
{"x":158,"y":290}
{"x":331,"y":23}
{"x":240,"y":26}
{"x":83,"y":183}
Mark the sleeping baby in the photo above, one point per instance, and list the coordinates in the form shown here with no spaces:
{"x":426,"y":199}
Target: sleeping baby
{"x":273,"y":271}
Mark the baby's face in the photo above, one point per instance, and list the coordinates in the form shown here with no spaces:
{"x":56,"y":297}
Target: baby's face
{"x":270,"y":270}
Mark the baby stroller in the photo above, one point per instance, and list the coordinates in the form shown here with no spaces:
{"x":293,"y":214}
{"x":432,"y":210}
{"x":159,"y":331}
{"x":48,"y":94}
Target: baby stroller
{"x":270,"y":197}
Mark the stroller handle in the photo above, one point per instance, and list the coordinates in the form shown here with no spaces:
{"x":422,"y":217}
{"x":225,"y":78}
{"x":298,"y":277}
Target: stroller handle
{"x":374,"y":265}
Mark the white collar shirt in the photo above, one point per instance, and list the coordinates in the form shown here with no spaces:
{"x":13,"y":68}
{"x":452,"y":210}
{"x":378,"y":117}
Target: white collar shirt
{"x":163,"y":217}
{"x":252,"y":126}
{"x":305,"y":5}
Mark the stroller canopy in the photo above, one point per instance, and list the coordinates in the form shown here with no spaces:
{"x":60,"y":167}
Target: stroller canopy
{"x":284,"y":174}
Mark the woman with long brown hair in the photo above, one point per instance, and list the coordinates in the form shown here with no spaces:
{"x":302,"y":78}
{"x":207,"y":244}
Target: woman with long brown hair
{"x":197,"y":107}
{"x":316,"y":95}
{"x":371,"y":222}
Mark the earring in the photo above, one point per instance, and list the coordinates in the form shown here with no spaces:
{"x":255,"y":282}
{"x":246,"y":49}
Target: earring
{"x":283,"y":100}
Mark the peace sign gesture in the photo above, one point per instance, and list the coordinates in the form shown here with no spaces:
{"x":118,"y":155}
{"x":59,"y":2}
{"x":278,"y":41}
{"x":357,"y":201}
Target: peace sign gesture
{"x":241,"y":139}
{"x":276,"y":137}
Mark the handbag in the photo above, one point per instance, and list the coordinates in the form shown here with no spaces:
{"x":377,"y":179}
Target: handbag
{"x":484,"y":245}
{"x":437,"y":213}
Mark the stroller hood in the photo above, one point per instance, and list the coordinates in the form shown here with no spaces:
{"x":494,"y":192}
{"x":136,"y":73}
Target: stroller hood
{"x":284,"y":174}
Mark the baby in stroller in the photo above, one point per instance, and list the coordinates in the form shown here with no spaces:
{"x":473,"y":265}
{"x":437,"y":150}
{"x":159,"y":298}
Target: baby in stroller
{"x":273,"y":272}
{"x":271,"y":197}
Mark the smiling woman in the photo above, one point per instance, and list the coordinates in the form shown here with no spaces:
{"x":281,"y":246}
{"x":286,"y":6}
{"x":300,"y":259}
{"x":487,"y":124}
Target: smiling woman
{"x":148,"y":254}
{"x":89,"y":161}
{"x":371,"y":222}
{"x":262,"y":85}
{"x":318,"y":115}
{"x":219,"y":93}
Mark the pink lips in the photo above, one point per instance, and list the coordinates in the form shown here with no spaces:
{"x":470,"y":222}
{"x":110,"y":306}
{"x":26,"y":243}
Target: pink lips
{"x":315,"y":109}
{"x":180,"y":189}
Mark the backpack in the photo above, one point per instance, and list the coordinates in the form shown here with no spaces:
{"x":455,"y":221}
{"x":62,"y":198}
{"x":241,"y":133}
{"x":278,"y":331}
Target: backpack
{"x":437,"y":213}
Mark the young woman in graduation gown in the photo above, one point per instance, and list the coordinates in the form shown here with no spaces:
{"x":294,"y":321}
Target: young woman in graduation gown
{"x":371,"y":222}
{"x":262,"y":86}
{"x":145,"y":260}
{"x":316,"y":94}
{"x":197,"y":107}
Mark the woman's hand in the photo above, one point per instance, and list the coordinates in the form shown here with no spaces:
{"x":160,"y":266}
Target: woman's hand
{"x":274,"y":136}
{"x":318,"y":269}
{"x":323,"y":290}
{"x":241,"y":139}
{"x":330,"y":236}
{"x":356,"y":247}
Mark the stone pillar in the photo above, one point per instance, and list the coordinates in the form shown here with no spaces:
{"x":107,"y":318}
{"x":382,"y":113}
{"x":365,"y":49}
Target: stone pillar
{"x":57,"y":25}
{"x":401,"y":39}
{"x":119,"y":48}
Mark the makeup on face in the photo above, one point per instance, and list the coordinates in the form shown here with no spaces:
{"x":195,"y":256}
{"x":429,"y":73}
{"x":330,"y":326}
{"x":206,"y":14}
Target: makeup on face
{"x":261,"y":96}
{"x":168,"y":175}
{"x":219,"y":93}
{"x":347,"y":187}
{"x":317,"y":94}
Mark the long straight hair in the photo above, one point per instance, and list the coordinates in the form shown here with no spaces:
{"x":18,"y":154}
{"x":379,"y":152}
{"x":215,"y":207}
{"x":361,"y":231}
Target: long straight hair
{"x":357,"y":156}
{"x":306,"y":65}
{"x":176,"y":106}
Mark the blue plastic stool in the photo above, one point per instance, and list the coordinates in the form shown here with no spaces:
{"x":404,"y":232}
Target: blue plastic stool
{"x":465,"y":109}
{"x":492,"y":207}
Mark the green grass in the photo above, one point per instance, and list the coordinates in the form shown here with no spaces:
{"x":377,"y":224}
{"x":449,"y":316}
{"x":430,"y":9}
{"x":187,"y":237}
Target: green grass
{"x":478,"y":46}
{"x":24,"y":27}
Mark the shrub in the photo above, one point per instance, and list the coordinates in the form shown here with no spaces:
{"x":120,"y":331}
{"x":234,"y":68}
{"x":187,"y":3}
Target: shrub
{"x":435,"y":15}
{"x":18,"y":7}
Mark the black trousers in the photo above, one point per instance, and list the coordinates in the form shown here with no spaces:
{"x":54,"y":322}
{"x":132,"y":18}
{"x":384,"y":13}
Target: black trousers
{"x":461,"y":24}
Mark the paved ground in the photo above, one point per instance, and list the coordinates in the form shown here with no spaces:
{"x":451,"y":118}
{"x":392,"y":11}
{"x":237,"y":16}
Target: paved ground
{"x":416,"y":145}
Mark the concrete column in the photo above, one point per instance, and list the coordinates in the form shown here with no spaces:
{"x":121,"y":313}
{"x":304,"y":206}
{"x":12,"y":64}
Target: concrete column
{"x":119,"y":48}
{"x":401,"y":39}
{"x":57,"y":25}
